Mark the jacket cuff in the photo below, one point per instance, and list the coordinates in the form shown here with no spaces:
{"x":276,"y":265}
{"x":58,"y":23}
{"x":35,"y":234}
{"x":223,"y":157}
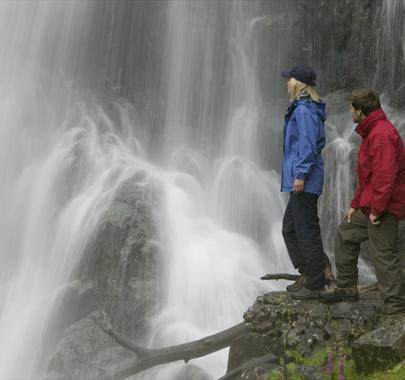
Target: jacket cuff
{"x":355,"y":204}
{"x":300,"y":176}
{"x":375,"y":212}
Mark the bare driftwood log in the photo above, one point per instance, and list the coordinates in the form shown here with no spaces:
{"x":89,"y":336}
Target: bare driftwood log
{"x":292,"y":277}
{"x":148,"y":358}
{"x":280,"y":276}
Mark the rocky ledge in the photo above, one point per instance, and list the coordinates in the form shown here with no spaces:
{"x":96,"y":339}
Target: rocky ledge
{"x":312,"y":340}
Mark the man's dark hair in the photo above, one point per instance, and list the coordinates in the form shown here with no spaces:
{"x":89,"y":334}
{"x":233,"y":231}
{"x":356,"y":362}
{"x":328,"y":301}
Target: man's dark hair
{"x":366,"y":101}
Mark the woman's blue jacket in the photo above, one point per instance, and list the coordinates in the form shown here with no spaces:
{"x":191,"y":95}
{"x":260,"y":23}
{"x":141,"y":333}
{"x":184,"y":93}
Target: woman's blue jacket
{"x":304,"y":139}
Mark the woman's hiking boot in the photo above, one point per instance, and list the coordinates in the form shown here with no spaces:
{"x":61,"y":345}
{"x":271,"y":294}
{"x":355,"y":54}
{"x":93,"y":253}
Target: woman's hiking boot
{"x":304,"y":293}
{"x":298,"y":284}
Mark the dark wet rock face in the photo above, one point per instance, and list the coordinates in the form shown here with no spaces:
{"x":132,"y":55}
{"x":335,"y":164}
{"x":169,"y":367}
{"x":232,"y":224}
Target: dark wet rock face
{"x":83,"y":343}
{"x":119,"y":274}
{"x":247,"y":347}
{"x":280,"y":325}
{"x":307,"y":325}
{"x":190,"y":371}
{"x":382,"y":347}
{"x":123,"y":259}
{"x":85,"y":351}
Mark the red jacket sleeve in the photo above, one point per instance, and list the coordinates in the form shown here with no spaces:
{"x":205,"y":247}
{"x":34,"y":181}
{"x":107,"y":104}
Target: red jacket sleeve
{"x":384,"y":172}
{"x":356,"y":199}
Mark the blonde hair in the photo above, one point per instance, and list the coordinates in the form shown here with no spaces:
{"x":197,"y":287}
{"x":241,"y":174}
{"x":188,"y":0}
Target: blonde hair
{"x":302,"y":89}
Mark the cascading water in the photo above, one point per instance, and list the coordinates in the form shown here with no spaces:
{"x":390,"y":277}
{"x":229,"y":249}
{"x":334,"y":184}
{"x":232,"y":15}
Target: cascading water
{"x":217,"y":225}
{"x":61,"y":162}
{"x":101,"y":95}
{"x":63,"y":159}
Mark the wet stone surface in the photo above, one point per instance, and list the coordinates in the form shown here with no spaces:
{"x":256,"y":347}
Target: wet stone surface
{"x":279,"y":325}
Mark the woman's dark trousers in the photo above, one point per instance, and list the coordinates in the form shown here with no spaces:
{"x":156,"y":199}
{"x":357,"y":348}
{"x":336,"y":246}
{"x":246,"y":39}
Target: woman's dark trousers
{"x":302,"y":236}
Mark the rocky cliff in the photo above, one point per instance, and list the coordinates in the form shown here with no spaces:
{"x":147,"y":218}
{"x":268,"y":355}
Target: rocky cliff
{"x":312,"y":340}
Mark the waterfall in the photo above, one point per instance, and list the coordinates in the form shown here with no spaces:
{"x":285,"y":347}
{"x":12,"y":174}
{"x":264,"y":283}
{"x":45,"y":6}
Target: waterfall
{"x":162,"y":119}
{"x":220,"y":209}
{"x":67,"y":148}
{"x":61,"y":163}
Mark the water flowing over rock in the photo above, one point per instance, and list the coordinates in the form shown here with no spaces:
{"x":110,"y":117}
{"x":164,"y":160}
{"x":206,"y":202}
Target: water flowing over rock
{"x":120,"y":273}
{"x":83,"y":352}
{"x":123,"y":260}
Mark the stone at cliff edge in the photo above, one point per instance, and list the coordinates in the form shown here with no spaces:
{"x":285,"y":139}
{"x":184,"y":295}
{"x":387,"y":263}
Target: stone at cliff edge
{"x":302,"y":330}
{"x":381,"y":348}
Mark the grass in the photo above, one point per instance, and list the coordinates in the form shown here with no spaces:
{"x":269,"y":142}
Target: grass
{"x":320,"y":360}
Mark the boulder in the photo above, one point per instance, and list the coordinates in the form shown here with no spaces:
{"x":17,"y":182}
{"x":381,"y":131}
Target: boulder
{"x":123,"y":259}
{"x":306,"y":326}
{"x":381,"y":348}
{"x":247,"y":347}
{"x":119,"y":273}
{"x":192,"y":372}
{"x":300,"y":334}
{"x":75,"y":301}
{"x":83,"y":343}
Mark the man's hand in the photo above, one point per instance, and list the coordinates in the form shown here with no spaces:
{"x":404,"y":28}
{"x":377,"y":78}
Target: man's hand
{"x":374,"y":219}
{"x":298,"y":185}
{"x":349,"y":214}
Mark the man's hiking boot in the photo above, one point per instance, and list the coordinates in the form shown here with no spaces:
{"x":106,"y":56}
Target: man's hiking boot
{"x":304,"y":293}
{"x":340,"y":294}
{"x":298,"y":284}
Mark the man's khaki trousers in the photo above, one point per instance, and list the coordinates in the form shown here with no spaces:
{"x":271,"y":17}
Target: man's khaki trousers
{"x":383,"y":247}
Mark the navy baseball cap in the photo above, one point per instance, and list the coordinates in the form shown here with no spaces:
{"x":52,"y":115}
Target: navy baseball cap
{"x":303,"y":73}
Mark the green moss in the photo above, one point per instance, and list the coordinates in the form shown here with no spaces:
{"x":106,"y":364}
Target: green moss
{"x":275,"y":374}
{"x":319,"y":359}
{"x":290,"y":373}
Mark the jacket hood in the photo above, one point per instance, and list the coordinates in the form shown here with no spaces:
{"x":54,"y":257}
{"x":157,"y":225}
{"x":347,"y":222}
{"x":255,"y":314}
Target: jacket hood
{"x":318,"y":107}
{"x":367,"y":124}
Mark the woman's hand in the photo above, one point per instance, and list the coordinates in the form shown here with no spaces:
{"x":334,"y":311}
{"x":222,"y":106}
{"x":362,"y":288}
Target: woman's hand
{"x":298,"y":186}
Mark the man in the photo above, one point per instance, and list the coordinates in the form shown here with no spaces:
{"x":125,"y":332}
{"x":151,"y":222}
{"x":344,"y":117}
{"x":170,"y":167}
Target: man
{"x":378,"y":204}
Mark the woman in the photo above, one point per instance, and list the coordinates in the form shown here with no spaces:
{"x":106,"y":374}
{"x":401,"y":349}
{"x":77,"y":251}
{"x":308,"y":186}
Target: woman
{"x":302,"y":177}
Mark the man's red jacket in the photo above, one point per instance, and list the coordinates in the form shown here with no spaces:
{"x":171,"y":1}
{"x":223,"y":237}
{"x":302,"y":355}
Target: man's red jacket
{"x":380,"y":167}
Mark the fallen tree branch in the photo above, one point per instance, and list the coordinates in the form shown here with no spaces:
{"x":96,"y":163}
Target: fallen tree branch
{"x":148,"y":358}
{"x":280,"y":276}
